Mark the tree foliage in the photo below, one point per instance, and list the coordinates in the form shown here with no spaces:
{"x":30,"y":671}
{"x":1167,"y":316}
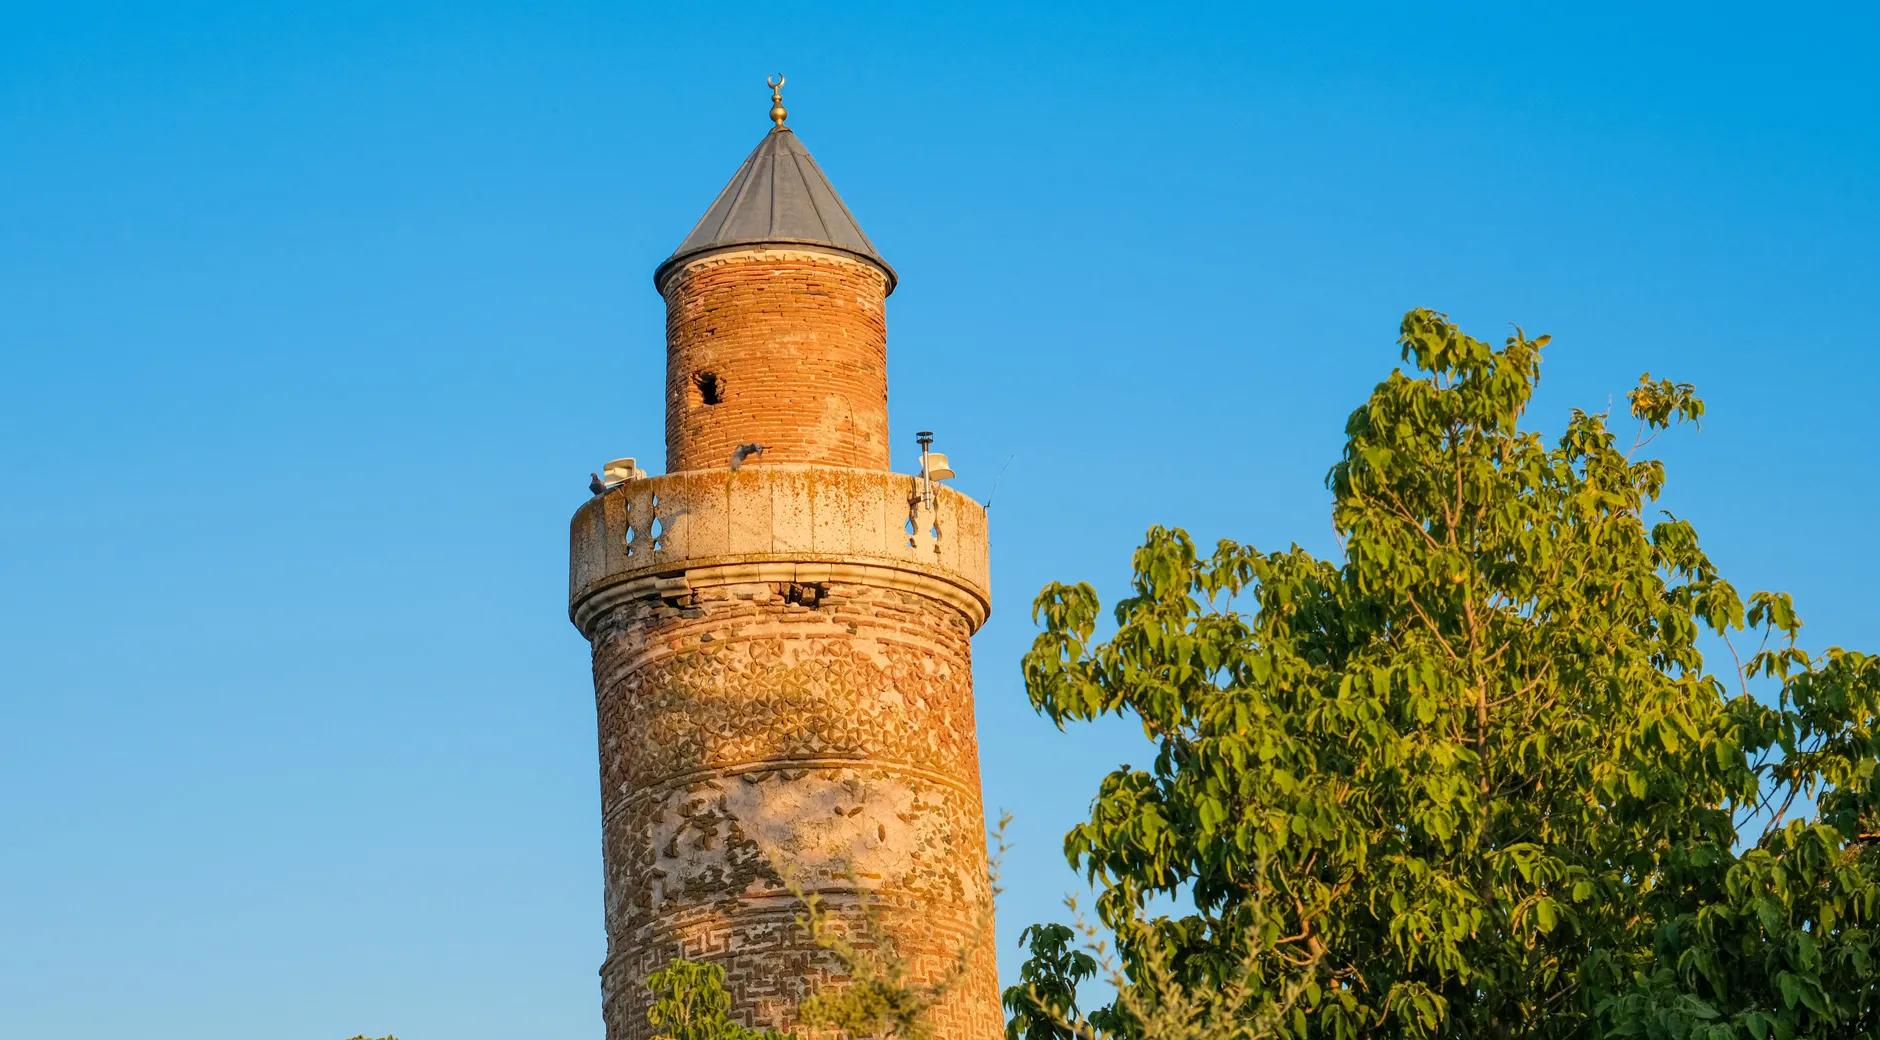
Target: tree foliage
{"x":1476,"y":778}
{"x":690,"y":1003}
{"x":1048,"y":978}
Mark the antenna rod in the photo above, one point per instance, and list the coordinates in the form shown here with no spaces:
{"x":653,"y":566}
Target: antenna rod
{"x":925,"y":439}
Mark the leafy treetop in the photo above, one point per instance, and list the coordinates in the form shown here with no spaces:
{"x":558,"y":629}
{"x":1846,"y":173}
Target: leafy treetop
{"x":1475,"y":778}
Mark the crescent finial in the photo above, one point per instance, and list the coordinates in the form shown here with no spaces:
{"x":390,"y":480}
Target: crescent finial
{"x":778,"y":113}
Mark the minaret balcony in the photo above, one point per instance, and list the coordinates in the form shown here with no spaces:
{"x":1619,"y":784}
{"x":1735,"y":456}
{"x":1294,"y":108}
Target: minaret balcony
{"x":804,"y":525}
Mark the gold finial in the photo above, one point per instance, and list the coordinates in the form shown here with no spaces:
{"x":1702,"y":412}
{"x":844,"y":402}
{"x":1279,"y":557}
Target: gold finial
{"x":778,"y":113}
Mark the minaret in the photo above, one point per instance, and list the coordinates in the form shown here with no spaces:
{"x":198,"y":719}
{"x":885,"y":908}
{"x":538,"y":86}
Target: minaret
{"x":781,"y":631}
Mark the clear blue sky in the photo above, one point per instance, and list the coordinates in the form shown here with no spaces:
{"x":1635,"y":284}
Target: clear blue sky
{"x":314,"y":318}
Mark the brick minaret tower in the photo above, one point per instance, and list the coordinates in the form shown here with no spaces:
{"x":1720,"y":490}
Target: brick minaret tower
{"x":781,"y":634}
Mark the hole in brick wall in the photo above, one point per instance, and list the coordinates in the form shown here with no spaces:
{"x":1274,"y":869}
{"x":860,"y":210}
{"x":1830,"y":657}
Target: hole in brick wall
{"x":711,"y":389}
{"x":804,"y":594}
{"x":659,"y":528}
{"x":910,"y":532}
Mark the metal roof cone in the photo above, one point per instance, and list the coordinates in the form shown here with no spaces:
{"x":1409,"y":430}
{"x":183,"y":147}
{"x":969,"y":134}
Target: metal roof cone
{"x":778,"y":197}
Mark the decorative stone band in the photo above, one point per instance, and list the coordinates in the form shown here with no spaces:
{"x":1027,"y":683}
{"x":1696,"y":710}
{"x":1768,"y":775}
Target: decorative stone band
{"x":665,"y":536}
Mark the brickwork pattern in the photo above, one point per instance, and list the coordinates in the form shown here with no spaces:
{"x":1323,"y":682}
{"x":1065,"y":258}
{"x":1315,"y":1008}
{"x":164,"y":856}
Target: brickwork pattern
{"x":741,"y":728}
{"x":792,"y":343}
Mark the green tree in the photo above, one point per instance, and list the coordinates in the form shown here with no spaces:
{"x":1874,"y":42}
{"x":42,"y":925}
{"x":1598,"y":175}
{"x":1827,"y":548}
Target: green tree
{"x":1047,"y":980}
{"x":1474,"y":778}
{"x":690,"y":1003}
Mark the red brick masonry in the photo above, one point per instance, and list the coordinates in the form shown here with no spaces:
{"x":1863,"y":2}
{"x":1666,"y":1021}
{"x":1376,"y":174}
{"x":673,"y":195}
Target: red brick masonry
{"x":797,"y":344}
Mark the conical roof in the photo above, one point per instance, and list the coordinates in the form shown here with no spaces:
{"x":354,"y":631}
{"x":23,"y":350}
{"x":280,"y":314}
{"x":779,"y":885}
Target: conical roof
{"x":778,"y":197}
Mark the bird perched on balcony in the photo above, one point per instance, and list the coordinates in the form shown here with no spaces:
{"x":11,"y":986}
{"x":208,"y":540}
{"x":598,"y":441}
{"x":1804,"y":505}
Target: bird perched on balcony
{"x":745,"y":451}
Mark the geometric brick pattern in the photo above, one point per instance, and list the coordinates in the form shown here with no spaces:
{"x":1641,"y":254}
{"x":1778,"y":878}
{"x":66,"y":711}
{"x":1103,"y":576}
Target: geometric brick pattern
{"x":740,"y":730}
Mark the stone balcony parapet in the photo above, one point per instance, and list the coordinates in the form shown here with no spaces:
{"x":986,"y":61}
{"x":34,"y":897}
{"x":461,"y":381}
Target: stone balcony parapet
{"x":662,"y":536}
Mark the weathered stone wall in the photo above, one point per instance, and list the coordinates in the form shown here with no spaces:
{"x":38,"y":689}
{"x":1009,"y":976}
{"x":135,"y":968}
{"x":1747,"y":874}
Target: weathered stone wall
{"x":793,"y":343}
{"x":825,"y":728}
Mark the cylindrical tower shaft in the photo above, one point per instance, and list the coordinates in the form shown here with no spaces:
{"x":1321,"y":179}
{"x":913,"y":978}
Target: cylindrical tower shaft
{"x":779,"y":347}
{"x":782,"y":674}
